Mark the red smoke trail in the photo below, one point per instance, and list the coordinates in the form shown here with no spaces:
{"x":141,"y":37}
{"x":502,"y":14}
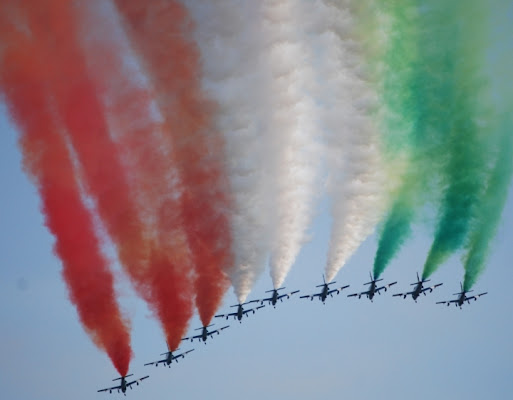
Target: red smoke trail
{"x":161,"y":33}
{"x":23,"y":76}
{"x":163,"y":285}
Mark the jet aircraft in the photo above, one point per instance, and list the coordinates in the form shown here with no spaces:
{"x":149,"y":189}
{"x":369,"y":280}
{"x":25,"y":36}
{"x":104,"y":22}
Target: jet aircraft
{"x":462,"y":298}
{"x":373,"y":289}
{"x":205,"y":333}
{"x":170,"y":357}
{"x":240,"y":311}
{"x":276,"y":296}
{"x":419,"y":288}
{"x":124,"y":384}
{"x":325,"y":292}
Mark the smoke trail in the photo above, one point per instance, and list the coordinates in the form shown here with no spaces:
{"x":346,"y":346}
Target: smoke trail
{"x":468,"y":151}
{"x":477,"y":245}
{"x":397,"y":95}
{"x":237,"y":78}
{"x":432,"y":103}
{"x":356,"y":170}
{"x":153,"y":176}
{"x":490,"y":208}
{"x":161,"y":32}
{"x":292,"y":128}
{"x":155,"y":266}
{"x":85,"y":269}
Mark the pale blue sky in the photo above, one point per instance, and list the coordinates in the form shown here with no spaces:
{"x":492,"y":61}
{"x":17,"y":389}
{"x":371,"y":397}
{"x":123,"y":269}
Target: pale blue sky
{"x":347,"y":348}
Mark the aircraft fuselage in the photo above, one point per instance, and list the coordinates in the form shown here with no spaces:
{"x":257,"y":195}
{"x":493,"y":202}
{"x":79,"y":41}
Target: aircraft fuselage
{"x":372,"y":290}
{"x":417,"y":291}
{"x":240,"y":311}
{"x":274,"y":298}
{"x":324,"y":292}
{"x":123,"y":385}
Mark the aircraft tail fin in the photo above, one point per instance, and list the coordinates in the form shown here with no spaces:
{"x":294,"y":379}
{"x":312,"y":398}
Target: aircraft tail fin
{"x":371,"y":279}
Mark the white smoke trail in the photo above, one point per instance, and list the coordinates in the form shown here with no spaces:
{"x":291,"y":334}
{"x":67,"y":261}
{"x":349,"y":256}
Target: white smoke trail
{"x":236,"y":77}
{"x":352,"y":148}
{"x":293,"y":129}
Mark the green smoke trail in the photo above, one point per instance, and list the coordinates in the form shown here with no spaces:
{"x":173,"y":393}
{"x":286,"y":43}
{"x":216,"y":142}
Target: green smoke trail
{"x":431,"y":77}
{"x":397,"y":96}
{"x":467,"y":147}
{"x":491,"y":206}
{"x":492,"y":203}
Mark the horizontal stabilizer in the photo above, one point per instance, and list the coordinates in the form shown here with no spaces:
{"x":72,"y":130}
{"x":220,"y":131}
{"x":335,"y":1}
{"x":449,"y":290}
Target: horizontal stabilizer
{"x":121,"y":377}
{"x":376,"y":280}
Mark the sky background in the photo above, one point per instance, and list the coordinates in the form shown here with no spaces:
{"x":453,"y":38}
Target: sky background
{"x":347,"y":348}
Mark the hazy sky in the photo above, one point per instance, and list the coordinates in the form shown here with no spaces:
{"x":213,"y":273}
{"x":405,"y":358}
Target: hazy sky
{"x":348,"y":348}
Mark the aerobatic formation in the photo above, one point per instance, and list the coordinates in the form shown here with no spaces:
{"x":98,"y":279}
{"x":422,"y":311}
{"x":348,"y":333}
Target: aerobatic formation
{"x":198,"y":137}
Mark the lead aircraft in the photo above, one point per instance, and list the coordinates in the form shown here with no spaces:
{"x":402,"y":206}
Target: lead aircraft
{"x":373,"y":289}
{"x":240,"y":311}
{"x":462,"y":298}
{"x":325,"y":292}
{"x":170,"y":357}
{"x":205,"y":333}
{"x":276,"y":296}
{"x":419,"y":288}
{"x":124,"y":384}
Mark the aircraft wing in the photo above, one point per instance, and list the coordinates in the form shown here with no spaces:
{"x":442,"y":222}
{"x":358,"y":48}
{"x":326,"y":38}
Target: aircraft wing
{"x":159,"y":361}
{"x":359,"y":294}
{"x":475,"y":297}
{"x":183,"y":354}
{"x":385,"y":287}
{"x":211,"y":334}
{"x":110,"y":389}
{"x":338,"y":290}
{"x":252,"y":310}
{"x":431,"y":288}
{"x":137,"y":381}
{"x":287,"y":295}
{"x":403,"y":294}
{"x":447,"y":302}
{"x":192,"y":337}
{"x":226,"y":315}
{"x":310,"y":296}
